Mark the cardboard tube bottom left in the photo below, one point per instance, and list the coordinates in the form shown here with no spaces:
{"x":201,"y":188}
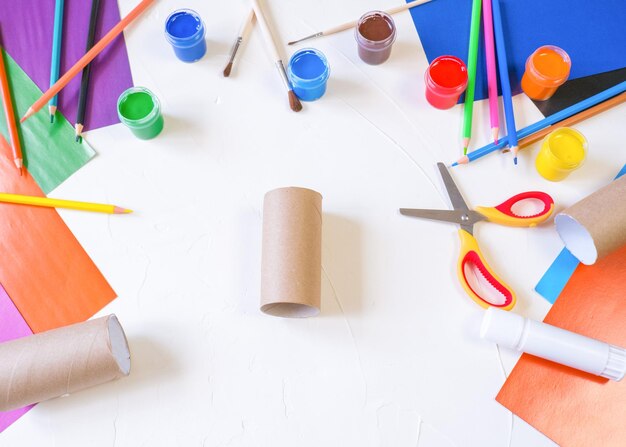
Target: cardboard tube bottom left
{"x":61,"y":361}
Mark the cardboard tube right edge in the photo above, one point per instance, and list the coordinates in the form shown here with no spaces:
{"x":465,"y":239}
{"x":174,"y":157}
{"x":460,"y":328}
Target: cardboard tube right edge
{"x":59,"y":362}
{"x":603,"y":216}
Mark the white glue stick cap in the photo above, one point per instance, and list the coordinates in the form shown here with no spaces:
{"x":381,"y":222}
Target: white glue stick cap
{"x":555,"y":344}
{"x":503,"y":328}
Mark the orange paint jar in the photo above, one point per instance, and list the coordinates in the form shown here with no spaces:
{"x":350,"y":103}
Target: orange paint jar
{"x":546,"y":70}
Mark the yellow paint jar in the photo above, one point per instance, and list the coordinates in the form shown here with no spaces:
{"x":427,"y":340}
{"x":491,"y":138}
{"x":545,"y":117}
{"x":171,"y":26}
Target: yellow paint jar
{"x":562,"y":152}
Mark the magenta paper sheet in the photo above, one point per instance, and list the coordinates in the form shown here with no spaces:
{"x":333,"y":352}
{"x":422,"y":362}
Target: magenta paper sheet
{"x":12,"y":326}
{"x":26,"y":29}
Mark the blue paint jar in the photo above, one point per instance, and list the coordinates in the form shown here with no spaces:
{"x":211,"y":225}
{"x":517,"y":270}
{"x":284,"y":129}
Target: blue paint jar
{"x":184,"y":29}
{"x":308,"y":73}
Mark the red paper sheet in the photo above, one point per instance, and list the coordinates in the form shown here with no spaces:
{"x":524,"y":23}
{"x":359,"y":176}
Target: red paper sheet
{"x":44,"y":269}
{"x":573,"y":408}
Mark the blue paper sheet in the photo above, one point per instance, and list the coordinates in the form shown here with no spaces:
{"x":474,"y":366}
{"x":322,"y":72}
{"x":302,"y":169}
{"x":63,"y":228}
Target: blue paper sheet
{"x":559,"y":273}
{"x":556,"y":277}
{"x":592,"y":33}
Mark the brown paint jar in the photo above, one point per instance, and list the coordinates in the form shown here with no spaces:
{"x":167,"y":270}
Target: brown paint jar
{"x":375,"y":33}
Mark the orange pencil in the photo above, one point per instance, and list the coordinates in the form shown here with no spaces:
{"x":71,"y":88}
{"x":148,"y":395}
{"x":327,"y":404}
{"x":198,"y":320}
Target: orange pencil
{"x":581,"y":116}
{"x":10,"y":114}
{"x":88,"y":57}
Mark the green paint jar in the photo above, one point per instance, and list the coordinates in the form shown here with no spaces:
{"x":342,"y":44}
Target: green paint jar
{"x":139,"y":109}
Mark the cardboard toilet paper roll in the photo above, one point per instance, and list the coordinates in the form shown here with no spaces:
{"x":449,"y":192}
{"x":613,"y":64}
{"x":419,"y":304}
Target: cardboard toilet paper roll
{"x":291,"y":270}
{"x":595,"y":226}
{"x":62,"y":361}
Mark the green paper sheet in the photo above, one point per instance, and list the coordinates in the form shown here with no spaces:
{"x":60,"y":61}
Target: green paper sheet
{"x":50,"y":152}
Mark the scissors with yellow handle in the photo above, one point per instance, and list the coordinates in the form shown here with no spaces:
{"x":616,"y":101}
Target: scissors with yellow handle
{"x":466,"y":218}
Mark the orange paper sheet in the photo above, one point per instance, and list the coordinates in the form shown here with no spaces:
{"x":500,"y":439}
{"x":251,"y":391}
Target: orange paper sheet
{"x":573,"y":408}
{"x":44,"y":269}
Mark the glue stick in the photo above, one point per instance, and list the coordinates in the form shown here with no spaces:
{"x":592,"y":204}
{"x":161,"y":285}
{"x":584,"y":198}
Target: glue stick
{"x":554,"y":344}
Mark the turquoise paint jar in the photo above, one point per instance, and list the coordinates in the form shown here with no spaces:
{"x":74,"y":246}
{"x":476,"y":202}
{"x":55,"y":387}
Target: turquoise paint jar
{"x":308,"y":72}
{"x":140,"y":110}
{"x":185,"y":31}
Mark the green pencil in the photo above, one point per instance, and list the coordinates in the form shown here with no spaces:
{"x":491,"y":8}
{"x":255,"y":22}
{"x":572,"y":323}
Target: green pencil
{"x":472,"y":57}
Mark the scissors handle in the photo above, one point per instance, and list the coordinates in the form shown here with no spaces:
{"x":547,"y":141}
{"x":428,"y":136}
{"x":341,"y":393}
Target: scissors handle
{"x":504,"y":215}
{"x":470,"y":254}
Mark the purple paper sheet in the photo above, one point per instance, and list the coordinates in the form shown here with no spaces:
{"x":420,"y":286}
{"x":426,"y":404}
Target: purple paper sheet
{"x":26,"y":27}
{"x":12,"y":326}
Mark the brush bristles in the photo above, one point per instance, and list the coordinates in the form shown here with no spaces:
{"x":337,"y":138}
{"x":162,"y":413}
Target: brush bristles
{"x":294,"y":102}
{"x":227,"y":70}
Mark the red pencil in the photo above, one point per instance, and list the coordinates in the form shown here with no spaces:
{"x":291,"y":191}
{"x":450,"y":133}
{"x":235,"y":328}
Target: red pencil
{"x":10,"y":115}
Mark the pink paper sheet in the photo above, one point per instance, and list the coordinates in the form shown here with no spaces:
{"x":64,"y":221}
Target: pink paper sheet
{"x":12,"y":326}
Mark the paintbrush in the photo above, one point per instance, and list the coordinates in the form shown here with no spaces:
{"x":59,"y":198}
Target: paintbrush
{"x":245,"y":28}
{"x":294,"y":102}
{"x":352,"y":24}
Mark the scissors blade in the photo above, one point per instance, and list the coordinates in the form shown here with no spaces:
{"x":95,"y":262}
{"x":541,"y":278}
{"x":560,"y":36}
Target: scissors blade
{"x":453,"y":192}
{"x":459,"y":217}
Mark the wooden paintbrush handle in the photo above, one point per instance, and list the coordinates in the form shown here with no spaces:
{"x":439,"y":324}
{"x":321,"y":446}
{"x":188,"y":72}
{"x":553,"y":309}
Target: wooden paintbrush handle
{"x":352,"y":24}
{"x":247,"y":25}
{"x":409,"y":5}
{"x":267,"y":34}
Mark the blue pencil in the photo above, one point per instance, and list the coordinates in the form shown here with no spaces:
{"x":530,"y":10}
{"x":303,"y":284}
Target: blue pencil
{"x":55,"y":62}
{"x":505,"y":85}
{"x":548,"y":121}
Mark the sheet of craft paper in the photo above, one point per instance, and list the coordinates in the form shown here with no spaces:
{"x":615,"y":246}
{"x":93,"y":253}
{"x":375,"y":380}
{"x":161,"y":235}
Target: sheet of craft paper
{"x":44,"y":269}
{"x":50,"y":151}
{"x":27,"y":35}
{"x":590,"y":32}
{"x":12,"y":326}
{"x":554,"y":280}
{"x":573,"y":408}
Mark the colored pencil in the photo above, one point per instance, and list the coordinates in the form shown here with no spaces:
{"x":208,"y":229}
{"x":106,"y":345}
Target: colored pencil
{"x":7,"y":102}
{"x":566,"y":117}
{"x":352,"y":24}
{"x":472,"y":61}
{"x":505,"y":85}
{"x":492,"y":77}
{"x":245,"y":28}
{"x":88,"y":57}
{"x":84,"y":82}
{"x":58,"y":203}
{"x":55,"y":62}
{"x":294,"y":102}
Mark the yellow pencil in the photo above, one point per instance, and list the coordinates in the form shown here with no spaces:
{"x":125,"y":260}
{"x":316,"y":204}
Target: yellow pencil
{"x":58,"y":203}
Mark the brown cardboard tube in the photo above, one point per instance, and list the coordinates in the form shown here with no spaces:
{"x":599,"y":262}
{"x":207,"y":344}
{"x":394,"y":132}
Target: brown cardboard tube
{"x":595,"y":226}
{"x":291,"y":266}
{"x":61,"y":361}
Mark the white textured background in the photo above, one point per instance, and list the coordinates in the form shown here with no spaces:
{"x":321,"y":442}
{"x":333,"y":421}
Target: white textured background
{"x":394,"y":359}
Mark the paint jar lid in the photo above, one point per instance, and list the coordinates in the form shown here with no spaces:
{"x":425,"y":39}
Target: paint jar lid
{"x":321,"y":78}
{"x":438,"y":76}
{"x":143,"y":121}
{"x":187,"y":39}
{"x":559,"y":66}
{"x":369,"y":41}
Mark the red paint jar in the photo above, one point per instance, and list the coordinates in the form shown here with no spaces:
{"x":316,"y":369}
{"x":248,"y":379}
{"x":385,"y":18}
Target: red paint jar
{"x":446,"y":79}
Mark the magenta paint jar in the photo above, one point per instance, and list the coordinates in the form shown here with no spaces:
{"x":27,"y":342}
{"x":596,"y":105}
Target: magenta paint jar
{"x":375,"y":33}
{"x":445,"y":79}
